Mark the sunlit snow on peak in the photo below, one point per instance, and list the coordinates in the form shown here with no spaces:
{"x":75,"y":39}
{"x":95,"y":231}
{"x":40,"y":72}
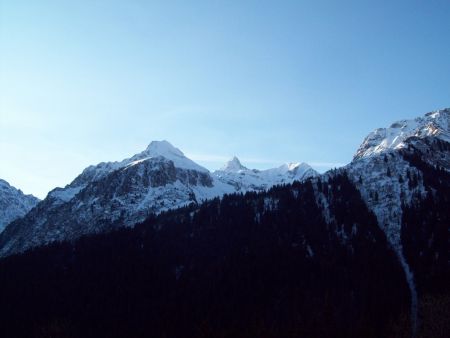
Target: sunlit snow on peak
{"x":435,"y":123}
{"x":162,"y":148}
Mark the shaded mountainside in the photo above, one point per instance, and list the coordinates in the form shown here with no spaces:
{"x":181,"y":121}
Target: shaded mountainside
{"x":119,"y":198}
{"x":403,"y":179}
{"x":13,"y":203}
{"x":425,"y":233}
{"x":254,"y":265}
{"x":426,"y":221}
{"x":114,"y":194}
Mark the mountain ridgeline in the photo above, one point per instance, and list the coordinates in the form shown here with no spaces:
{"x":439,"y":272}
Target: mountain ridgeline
{"x":114,"y":194}
{"x":360,"y":251}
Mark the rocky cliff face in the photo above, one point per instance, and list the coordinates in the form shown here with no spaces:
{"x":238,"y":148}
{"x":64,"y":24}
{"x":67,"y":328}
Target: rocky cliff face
{"x":13,"y":203}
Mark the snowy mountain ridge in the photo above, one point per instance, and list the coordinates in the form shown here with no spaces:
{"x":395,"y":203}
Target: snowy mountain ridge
{"x":160,"y":178}
{"x":115,"y":194}
{"x":169,"y":152}
{"x":97,"y":172}
{"x":13,"y":203}
{"x":383,"y":139}
{"x":244,"y":179}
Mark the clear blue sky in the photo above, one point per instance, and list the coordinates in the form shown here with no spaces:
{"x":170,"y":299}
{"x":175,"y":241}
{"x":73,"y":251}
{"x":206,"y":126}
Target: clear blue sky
{"x":269,"y":81}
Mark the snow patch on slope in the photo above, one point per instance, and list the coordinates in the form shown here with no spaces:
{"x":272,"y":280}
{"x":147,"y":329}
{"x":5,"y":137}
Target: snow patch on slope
{"x":66,"y":194}
{"x":383,"y":182}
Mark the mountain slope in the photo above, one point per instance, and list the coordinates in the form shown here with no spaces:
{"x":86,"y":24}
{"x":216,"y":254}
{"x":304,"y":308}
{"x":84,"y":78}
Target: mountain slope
{"x":436,"y":124}
{"x":13,"y":203}
{"x":388,"y":181}
{"x":263,"y":264}
{"x":115,"y":194}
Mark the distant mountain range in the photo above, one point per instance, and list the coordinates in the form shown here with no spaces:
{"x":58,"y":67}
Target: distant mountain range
{"x":379,"y":226}
{"x":114,"y":194}
{"x":160,"y":178}
{"x":374,"y":234}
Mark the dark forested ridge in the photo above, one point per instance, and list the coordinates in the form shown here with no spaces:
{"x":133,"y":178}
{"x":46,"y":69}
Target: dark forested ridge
{"x":426,"y":223}
{"x":254,"y":265}
{"x":426,"y":235}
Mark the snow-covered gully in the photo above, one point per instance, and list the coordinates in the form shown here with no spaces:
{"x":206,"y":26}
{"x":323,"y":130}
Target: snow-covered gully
{"x":412,"y":289}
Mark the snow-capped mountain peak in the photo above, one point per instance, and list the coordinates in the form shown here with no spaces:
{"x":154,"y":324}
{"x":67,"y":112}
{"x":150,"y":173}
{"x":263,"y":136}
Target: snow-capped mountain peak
{"x":163,"y":148}
{"x":168,"y":151}
{"x":243,"y":179}
{"x":154,"y":150}
{"x":436,"y":123}
{"x":233,"y":165}
{"x":293,"y":171}
{"x":294,"y":167}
